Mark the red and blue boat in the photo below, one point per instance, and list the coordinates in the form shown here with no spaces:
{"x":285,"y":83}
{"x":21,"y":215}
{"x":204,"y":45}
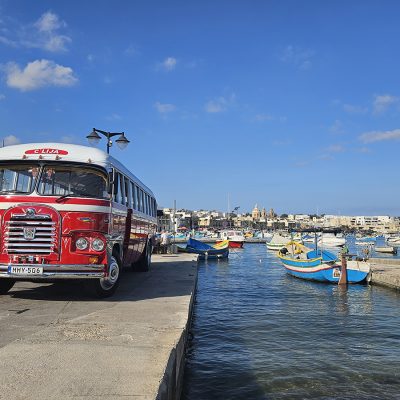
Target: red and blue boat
{"x":320,"y":265}
{"x":205,"y":251}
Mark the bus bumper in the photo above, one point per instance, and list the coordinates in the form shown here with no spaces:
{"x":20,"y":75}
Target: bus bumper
{"x":52,"y":271}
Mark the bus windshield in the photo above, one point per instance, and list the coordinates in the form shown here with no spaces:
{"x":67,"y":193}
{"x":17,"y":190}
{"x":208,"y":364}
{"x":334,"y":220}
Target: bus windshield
{"x":18,"y":178}
{"x":72,"y":181}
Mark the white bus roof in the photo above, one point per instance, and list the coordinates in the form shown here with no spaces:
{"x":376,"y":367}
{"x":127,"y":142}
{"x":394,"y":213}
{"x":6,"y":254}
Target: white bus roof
{"x":66,"y":152}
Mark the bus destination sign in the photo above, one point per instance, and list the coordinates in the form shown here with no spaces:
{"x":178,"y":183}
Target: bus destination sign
{"x":47,"y":151}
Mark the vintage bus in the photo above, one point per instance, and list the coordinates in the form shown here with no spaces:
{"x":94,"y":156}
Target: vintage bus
{"x":71,"y":212}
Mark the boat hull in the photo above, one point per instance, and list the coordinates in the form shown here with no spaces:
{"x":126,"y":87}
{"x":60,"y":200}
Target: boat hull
{"x":275,"y":246}
{"x":205,"y":251}
{"x":233,"y":244}
{"x":357,"y":272}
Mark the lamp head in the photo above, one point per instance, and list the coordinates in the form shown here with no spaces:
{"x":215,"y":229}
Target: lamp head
{"x":122,"y":141}
{"x":93,"y":138}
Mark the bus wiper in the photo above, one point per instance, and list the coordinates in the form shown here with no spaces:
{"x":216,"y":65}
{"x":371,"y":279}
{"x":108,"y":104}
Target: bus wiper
{"x":71,"y":195}
{"x":63,"y":197}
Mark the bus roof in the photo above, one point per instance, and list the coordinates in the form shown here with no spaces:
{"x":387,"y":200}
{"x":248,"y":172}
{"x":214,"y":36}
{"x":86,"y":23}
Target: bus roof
{"x":66,"y":152}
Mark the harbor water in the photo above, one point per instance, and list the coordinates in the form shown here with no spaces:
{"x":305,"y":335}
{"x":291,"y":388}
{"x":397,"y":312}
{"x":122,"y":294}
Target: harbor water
{"x":258,"y":333}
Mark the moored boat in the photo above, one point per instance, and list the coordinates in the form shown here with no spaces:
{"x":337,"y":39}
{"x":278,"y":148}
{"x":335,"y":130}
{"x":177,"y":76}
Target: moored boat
{"x":205,"y":251}
{"x":277,"y":242}
{"x":393,"y":240}
{"x":235,"y":238}
{"x":320,"y":265}
{"x":331,"y":240}
{"x":386,"y":249}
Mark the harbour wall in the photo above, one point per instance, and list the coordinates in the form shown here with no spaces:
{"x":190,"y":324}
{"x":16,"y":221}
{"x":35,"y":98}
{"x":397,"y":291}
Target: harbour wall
{"x":385,"y":272}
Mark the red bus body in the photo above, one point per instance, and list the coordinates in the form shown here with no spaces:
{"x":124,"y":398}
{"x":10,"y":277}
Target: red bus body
{"x":39,"y":233}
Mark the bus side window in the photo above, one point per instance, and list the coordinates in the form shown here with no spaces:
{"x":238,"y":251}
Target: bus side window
{"x":128,"y":196}
{"x":117,"y":187}
{"x":122,"y":186}
{"x":130,"y":193}
{"x":146,"y":209}
{"x":134,"y":200}
{"x":141,"y":203}
{"x":148,"y":204}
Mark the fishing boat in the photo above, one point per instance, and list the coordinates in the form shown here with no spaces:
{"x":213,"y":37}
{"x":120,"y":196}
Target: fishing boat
{"x":277,"y":242}
{"x":235,"y":238}
{"x":206,"y":251}
{"x":393,"y":240}
{"x":329,"y":239}
{"x":386,"y":249}
{"x":366,"y":240}
{"x":320,"y":265}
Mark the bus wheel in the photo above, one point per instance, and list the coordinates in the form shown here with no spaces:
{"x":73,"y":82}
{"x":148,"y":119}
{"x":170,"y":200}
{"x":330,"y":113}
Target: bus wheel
{"x":105,"y":287}
{"x":6,"y":285}
{"x":143,"y":264}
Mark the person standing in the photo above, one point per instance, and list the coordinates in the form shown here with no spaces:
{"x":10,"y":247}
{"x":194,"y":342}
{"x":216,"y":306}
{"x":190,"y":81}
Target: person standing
{"x":164,"y":242}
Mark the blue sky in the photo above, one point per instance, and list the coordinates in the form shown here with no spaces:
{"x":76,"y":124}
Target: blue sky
{"x":292,"y":105}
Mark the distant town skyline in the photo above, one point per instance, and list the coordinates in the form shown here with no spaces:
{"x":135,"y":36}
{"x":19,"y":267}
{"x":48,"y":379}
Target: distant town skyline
{"x":291,"y":105}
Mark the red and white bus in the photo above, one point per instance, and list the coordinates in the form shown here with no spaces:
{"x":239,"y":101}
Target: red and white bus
{"x":71,"y":212}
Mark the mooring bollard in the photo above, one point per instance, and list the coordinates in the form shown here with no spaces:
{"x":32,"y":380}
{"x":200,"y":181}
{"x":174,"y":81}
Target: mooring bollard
{"x":343,"y":272}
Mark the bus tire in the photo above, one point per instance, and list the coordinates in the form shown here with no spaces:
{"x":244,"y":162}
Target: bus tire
{"x":6,"y":285}
{"x":106,"y":287}
{"x":143,"y":264}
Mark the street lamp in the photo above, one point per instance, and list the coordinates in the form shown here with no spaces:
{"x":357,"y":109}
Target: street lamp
{"x":94,"y":138}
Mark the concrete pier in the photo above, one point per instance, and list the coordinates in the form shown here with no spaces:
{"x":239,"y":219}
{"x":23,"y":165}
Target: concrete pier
{"x":385,"y":272}
{"x":58,"y":343}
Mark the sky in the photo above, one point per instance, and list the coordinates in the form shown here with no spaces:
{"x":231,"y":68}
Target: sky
{"x":291,"y":105}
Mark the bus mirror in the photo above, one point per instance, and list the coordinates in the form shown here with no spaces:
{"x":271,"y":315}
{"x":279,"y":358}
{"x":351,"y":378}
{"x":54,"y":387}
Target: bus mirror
{"x":110,"y":182}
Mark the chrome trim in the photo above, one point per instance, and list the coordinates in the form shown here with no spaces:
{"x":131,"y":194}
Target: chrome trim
{"x":57,"y":271}
{"x":35,"y":217}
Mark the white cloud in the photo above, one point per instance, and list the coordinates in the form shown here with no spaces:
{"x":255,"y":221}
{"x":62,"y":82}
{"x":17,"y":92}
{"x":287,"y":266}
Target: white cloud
{"x":168,"y":64}
{"x":10,"y":140}
{"x":263,"y":117}
{"x":131,"y":50}
{"x":164,"y":108}
{"x":353,"y":109}
{"x":383,"y":102}
{"x":335,"y":148}
{"x":114,"y":117}
{"x":337,"y":127}
{"x":219,"y":104}
{"x":70,"y":139}
{"x":37,"y":74}
{"x":49,"y":22}
{"x":298,"y":56}
{"x":44,"y":34}
{"x":90,"y":58}
{"x":379,"y":136}
{"x":48,"y":37}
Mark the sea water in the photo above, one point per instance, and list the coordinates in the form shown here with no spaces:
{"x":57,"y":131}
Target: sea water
{"x":259,"y":333}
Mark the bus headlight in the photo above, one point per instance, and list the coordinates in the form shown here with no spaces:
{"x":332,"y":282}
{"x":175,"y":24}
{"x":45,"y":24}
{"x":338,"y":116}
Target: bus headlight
{"x":98,"y":244}
{"x":82,"y":243}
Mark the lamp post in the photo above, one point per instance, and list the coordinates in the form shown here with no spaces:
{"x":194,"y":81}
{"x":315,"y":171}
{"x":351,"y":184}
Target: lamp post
{"x":94,"y":138}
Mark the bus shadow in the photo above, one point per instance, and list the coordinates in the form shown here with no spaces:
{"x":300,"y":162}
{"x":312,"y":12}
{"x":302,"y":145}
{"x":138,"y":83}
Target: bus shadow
{"x":159,"y":282}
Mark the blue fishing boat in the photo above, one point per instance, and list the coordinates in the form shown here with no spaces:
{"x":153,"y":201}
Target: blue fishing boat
{"x":205,"y":251}
{"x":320,"y":265}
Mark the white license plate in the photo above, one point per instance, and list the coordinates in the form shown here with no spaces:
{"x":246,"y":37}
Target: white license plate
{"x":18,"y":270}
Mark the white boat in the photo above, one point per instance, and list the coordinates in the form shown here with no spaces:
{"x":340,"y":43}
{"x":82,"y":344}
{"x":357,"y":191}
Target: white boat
{"x":386,"y":249}
{"x":393,"y":240}
{"x":331,"y":240}
{"x":236,"y":238}
{"x":277,"y":242}
{"x":364,"y":243}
